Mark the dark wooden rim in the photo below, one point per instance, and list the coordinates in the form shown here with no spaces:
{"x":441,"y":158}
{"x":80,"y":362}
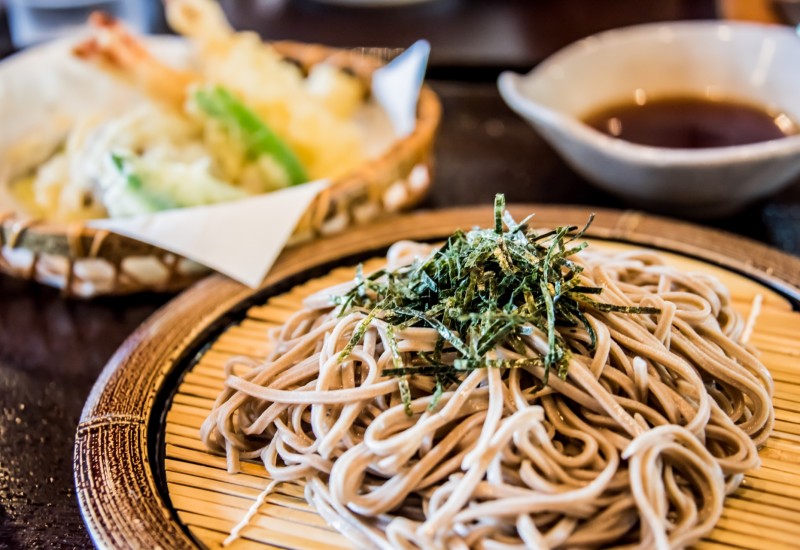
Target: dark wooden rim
{"x":116,"y":486}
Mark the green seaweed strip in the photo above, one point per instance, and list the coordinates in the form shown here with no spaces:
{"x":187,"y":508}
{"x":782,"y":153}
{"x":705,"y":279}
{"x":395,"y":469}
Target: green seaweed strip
{"x":358,"y":334}
{"x":483,"y":289}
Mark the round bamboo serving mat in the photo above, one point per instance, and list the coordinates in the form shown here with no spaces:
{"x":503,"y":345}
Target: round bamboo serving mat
{"x":145,"y":479}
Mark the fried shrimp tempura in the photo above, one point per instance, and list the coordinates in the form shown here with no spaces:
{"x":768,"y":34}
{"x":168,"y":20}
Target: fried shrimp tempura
{"x":118,"y":52}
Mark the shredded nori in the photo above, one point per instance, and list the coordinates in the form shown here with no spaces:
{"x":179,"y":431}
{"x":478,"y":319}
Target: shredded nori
{"x":482,"y":289}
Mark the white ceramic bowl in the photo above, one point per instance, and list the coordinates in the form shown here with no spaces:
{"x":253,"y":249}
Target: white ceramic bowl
{"x":752,"y":63}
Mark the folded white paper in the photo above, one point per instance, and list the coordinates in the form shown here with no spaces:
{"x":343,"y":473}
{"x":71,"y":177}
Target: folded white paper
{"x":396,"y":86}
{"x":241,"y":239}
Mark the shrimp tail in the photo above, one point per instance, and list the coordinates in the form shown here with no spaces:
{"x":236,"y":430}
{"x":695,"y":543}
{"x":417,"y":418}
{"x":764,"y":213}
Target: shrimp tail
{"x":118,"y":52}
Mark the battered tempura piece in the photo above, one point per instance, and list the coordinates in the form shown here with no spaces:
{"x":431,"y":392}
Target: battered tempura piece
{"x":115,"y":50}
{"x":200,"y":20}
{"x":241,"y":120}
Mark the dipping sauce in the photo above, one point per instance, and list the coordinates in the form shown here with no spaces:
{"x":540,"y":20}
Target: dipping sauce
{"x":690,"y":123}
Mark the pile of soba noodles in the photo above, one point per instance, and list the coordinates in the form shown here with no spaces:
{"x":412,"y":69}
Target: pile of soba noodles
{"x":507,"y":390}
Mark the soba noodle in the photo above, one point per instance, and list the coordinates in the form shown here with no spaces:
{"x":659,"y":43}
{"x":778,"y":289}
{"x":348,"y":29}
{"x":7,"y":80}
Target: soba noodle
{"x":636,"y":447}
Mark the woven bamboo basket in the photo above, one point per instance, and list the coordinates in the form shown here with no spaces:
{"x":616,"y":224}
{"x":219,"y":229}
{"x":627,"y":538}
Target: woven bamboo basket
{"x":84,"y":262}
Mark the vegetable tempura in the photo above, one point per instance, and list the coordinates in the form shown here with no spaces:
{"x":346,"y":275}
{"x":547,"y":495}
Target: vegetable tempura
{"x":243,"y":120}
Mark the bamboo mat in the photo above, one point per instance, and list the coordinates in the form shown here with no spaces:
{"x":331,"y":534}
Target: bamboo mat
{"x":763,"y":514}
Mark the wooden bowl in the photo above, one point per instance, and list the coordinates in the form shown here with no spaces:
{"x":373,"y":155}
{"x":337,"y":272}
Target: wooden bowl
{"x":125,"y":462}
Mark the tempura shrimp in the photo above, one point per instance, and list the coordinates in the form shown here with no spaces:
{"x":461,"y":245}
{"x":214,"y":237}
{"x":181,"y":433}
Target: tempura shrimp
{"x":118,"y":52}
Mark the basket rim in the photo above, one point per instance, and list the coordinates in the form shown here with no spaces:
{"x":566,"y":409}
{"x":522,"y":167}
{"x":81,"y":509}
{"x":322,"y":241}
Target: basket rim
{"x":75,"y":239}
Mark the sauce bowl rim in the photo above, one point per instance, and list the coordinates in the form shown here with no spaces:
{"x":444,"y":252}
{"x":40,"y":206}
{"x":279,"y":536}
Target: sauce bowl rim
{"x":509,"y":83}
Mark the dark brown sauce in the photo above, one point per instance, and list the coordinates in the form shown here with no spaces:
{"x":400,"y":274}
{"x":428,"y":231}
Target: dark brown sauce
{"x":690,"y":123}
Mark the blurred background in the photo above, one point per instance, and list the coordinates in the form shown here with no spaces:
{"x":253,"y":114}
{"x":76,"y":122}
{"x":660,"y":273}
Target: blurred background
{"x":481,"y":142}
{"x":475,"y":34}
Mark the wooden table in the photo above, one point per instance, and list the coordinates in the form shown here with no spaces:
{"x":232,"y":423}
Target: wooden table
{"x":51,"y":351}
